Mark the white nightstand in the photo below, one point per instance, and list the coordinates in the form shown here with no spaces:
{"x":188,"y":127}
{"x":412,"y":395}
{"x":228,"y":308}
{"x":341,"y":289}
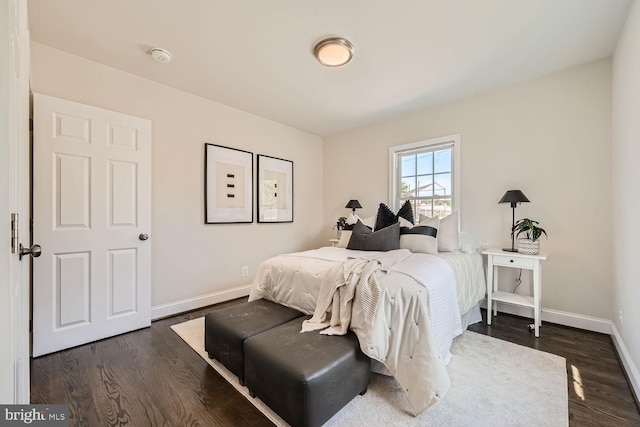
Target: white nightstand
{"x":500,"y":258}
{"x":333,"y":242}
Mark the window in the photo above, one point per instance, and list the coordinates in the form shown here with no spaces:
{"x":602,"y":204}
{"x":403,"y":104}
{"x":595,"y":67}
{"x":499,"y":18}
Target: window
{"x":427,"y":174}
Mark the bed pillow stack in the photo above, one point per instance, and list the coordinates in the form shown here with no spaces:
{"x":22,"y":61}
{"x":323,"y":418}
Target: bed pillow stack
{"x":385,"y":236}
{"x":430,"y":235}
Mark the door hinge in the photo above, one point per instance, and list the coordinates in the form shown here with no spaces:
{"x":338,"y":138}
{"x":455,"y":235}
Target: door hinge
{"x":14,"y":233}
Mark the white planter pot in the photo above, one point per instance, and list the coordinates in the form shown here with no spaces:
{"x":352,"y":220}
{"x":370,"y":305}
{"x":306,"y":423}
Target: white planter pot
{"x":528,"y":246}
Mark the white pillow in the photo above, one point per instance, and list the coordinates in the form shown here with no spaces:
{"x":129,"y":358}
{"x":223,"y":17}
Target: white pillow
{"x":448,"y":239}
{"x":345,"y":236}
{"x":404,"y":223}
{"x":417,"y":239}
{"x":430,"y":222}
{"x":370,"y":221}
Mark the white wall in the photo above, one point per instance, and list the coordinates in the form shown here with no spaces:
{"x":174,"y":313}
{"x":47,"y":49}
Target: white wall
{"x":191,"y":259}
{"x":549,"y":137}
{"x":626,"y":196}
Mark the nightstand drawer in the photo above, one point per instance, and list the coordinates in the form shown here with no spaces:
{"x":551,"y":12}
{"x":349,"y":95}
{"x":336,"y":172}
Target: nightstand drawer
{"x":515,"y":262}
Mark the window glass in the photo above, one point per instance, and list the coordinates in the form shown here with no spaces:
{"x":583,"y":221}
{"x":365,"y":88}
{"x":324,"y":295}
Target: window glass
{"x":442,"y":186}
{"x":425,"y":186}
{"x":425,"y":163}
{"x":424,"y":174}
{"x":408,"y":165}
{"x":443,"y":160}
{"x":408,"y":187}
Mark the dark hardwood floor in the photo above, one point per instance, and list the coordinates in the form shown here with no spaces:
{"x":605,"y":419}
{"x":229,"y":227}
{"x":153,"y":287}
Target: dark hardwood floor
{"x":151,"y":377}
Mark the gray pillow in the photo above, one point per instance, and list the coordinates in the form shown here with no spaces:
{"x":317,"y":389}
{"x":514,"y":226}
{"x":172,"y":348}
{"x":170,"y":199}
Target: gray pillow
{"x":363,"y":239}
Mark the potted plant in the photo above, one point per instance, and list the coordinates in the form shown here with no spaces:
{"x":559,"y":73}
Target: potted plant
{"x":340,"y":224}
{"x":530,"y":244}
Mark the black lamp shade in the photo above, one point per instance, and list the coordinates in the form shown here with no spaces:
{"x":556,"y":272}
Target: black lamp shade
{"x":353,"y":204}
{"x":513,"y":197}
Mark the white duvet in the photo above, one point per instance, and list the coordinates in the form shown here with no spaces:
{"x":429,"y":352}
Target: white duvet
{"x":416,"y":317}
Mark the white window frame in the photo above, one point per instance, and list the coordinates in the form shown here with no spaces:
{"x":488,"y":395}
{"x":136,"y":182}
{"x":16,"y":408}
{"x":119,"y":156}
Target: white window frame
{"x":394,"y":169}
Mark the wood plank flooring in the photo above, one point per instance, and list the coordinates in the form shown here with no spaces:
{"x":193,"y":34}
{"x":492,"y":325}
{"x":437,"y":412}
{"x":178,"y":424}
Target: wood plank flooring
{"x":151,"y":377}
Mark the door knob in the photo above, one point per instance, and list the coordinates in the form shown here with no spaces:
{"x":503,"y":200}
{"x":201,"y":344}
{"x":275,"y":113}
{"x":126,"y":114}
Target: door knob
{"x":143,"y":236}
{"x":34,"y":251}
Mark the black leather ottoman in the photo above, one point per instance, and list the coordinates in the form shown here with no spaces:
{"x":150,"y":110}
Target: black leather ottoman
{"x":225,"y":330}
{"x":305,"y":378}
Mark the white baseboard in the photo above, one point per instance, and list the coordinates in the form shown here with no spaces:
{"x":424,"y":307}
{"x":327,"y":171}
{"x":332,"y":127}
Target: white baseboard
{"x":589,"y":323}
{"x":164,"y":310}
{"x":565,"y":318}
{"x":629,"y":366}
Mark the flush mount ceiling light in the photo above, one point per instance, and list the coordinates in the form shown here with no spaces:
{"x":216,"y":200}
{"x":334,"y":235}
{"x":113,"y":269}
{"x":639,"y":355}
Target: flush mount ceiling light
{"x":333,"y":52}
{"x":161,"y":55}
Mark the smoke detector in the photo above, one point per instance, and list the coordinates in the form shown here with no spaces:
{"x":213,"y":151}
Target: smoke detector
{"x":161,"y":55}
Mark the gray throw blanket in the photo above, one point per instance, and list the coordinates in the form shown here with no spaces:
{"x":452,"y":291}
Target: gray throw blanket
{"x":339,"y":286}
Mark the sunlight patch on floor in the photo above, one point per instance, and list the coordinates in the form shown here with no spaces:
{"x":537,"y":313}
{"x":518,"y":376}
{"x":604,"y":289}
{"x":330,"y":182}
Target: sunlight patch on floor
{"x":577,"y":382}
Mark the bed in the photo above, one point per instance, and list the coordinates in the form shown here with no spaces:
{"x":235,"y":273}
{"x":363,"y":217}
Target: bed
{"x":417,"y":304}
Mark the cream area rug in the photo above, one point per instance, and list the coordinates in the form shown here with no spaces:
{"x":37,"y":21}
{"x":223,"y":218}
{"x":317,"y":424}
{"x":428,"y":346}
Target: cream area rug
{"x":493,"y":383}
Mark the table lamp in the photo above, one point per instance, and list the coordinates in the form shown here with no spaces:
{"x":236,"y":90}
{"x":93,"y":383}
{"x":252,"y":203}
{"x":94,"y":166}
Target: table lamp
{"x":514,"y":197}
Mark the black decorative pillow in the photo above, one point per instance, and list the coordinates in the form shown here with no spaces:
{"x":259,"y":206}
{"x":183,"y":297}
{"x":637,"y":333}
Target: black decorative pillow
{"x":406,"y":212}
{"x":386,"y":217}
{"x":363,"y":239}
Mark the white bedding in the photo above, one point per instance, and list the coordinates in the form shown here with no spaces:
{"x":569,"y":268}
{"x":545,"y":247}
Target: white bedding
{"x":412,"y":330}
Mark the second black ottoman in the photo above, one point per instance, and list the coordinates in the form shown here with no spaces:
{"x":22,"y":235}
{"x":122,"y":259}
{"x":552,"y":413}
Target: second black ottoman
{"x":305,"y":378}
{"x":226,"y":329}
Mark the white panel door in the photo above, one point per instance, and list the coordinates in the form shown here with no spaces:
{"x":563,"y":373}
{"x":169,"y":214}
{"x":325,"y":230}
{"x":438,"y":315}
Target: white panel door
{"x":14,"y":199}
{"x":92,"y":217}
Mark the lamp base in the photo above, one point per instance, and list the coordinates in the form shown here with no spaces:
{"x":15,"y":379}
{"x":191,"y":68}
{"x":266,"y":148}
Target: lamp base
{"x":509,"y":250}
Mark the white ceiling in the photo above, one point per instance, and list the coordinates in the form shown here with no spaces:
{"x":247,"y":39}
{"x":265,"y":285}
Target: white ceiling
{"x":256,"y":55}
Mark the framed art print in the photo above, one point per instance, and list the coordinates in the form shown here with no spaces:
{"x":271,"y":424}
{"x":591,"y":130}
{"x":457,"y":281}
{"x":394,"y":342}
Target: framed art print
{"x":228,"y":185}
{"x":275,"y":189}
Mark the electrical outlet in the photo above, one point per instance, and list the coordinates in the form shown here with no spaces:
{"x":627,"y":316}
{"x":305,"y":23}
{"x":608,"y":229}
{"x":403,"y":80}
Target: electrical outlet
{"x":245,"y":270}
{"x":620,"y":315}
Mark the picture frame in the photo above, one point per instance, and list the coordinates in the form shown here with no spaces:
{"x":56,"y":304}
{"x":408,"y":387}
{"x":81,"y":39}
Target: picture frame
{"x":228,"y":185}
{"x":275,"y":189}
